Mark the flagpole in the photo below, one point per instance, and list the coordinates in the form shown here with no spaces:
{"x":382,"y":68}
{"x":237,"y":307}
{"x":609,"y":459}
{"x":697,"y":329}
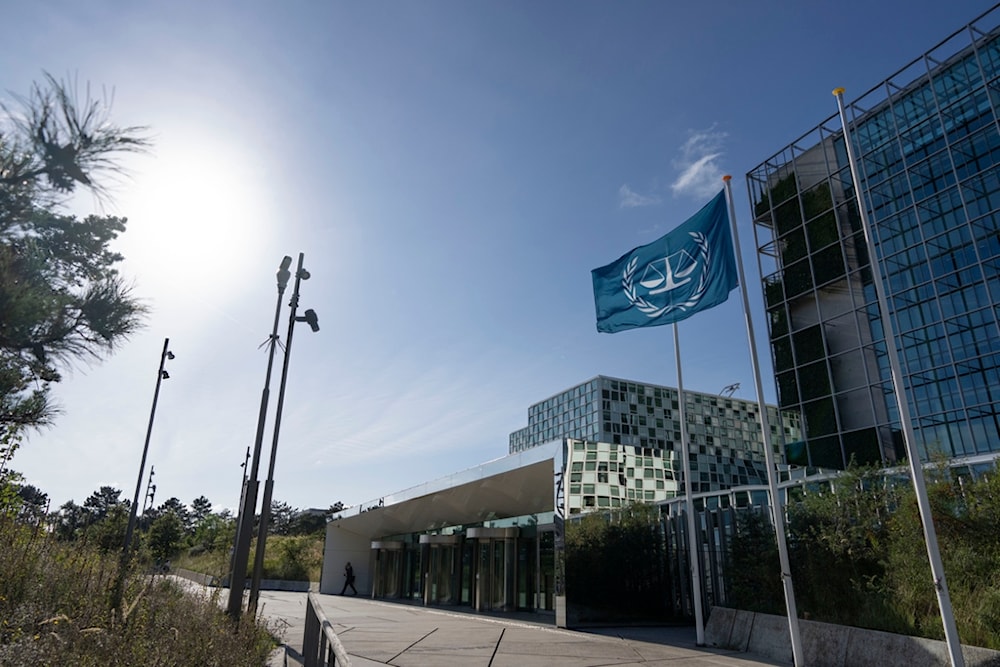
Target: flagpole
{"x":906,"y":421}
{"x":777,"y":513}
{"x":693,"y":559}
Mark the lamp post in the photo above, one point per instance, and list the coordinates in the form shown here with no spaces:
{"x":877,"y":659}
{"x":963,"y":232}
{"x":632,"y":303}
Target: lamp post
{"x":147,"y":502}
{"x":244,"y":525}
{"x":265,"y":511}
{"x":161,"y":375}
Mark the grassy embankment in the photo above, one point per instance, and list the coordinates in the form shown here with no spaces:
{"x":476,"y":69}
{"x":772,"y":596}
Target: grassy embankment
{"x":56,"y":609}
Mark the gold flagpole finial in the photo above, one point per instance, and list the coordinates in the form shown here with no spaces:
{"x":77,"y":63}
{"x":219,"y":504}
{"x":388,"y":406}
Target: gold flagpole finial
{"x":838,"y":91}
{"x":727,"y":177}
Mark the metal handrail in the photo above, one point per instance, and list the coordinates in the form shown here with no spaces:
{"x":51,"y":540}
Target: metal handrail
{"x":320,"y":645}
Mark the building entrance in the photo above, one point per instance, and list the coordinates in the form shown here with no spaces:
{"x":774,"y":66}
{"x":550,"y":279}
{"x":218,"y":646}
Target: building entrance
{"x":442,"y":556}
{"x":495,"y":577}
{"x":388,"y":568}
{"x":488,"y":569}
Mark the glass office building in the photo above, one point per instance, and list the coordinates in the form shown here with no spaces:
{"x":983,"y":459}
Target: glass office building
{"x":928,"y":146}
{"x":642,"y":421}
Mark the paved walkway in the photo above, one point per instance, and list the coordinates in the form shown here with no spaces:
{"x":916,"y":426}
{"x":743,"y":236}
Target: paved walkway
{"x":382,"y":633}
{"x":407,"y":635}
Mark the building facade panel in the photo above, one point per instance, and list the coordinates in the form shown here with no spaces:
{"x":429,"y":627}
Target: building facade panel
{"x":928,"y":146}
{"x":641,"y":418}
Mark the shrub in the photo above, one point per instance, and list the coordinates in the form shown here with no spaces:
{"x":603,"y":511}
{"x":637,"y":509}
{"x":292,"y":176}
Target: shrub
{"x":55,"y":606}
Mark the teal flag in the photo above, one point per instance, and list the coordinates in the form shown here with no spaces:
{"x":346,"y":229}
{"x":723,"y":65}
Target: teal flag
{"x":689,"y":270}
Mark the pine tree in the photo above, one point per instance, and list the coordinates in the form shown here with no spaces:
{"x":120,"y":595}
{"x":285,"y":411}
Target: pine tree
{"x":61,"y":297}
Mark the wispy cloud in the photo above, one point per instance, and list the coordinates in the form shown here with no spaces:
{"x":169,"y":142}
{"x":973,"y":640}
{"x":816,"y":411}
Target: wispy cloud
{"x":628,"y":198}
{"x":700,"y":174}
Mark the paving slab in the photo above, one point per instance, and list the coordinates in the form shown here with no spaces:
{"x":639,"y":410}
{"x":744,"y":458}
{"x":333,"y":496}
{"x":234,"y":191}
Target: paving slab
{"x":402,"y":634}
{"x":405,"y":635}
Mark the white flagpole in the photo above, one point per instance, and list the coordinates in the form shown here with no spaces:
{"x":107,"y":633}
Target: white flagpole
{"x":906,"y":421}
{"x":777,"y":511}
{"x":694,"y":559}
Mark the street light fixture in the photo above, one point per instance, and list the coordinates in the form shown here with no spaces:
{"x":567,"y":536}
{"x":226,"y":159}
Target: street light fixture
{"x":248,"y":504}
{"x":161,"y":375}
{"x":312,"y":320}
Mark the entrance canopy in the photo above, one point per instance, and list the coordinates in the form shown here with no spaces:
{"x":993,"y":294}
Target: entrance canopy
{"x":515,"y":485}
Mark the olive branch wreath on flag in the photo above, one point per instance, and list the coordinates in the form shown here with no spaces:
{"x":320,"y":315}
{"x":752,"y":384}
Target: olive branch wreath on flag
{"x":652,"y":310}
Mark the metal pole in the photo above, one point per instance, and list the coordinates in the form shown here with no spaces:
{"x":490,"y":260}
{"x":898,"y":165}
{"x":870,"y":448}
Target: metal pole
{"x":244,"y":526}
{"x":906,"y":421}
{"x":692,"y":523}
{"x":777,"y":514}
{"x":126,"y":546}
{"x":265,"y":509}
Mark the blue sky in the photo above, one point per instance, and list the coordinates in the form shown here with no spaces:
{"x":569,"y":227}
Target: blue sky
{"x":452,"y":172}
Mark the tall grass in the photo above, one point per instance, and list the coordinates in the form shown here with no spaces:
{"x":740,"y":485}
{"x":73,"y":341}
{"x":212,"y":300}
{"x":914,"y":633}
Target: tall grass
{"x":56,"y":609}
{"x":859,"y":558}
{"x":288,"y":557}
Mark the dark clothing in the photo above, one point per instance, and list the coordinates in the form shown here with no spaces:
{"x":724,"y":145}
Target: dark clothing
{"x":348,"y":580}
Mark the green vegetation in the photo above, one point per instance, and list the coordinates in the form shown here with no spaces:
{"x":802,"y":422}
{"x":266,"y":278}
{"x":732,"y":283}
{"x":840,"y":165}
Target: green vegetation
{"x":858,"y":556}
{"x":61,"y":296}
{"x":616,"y":565}
{"x":288,"y":557}
{"x":56,"y":610}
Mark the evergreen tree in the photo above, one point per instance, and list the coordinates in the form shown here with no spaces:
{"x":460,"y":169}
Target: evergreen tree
{"x":100,"y":503}
{"x":61,"y":296}
{"x":201,"y":507}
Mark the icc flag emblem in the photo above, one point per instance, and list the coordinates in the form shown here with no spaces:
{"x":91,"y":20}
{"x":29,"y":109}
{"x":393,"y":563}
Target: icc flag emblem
{"x":690,"y":269}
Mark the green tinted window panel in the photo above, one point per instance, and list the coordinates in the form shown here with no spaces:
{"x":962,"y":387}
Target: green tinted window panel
{"x":826,"y":453}
{"x":814,"y":381}
{"x":808,"y":344}
{"x":819,"y":417}
{"x":782,"y":350}
{"x":798,"y":278}
{"x":793,"y":246}
{"x":788,"y":391}
{"x":822,"y":231}
{"x":828,"y":265}
{"x":850,"y":219}
{"x":862,"y":447}
{"x":778,"y":319}
{"x":774,"y":290}
{"x":787,"y":216}
{"x":817,"y":200}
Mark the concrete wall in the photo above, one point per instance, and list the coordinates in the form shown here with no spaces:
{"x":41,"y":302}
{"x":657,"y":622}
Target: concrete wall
{"x":265,"y":584}
{"x":827,"y":645}
{"x":340,"y":547}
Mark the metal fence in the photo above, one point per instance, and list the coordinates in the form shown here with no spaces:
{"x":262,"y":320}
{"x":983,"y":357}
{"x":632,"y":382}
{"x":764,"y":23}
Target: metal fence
{"x":320,"y":645}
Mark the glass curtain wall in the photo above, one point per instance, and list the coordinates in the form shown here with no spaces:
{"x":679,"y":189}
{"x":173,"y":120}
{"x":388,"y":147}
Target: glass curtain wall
{"x":929,"y":151}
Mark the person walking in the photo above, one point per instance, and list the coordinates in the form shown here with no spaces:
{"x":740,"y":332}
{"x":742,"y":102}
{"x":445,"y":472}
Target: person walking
{"x":348,"y":579}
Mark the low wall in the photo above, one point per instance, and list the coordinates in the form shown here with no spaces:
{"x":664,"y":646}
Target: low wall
{"x":265,"y":584}
{"x":828,"y":645}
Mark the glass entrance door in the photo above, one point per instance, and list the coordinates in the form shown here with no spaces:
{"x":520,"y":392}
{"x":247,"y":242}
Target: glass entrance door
{"x":441,"y":559}
{"x":387,"y":578}
{"x":496,"y":568}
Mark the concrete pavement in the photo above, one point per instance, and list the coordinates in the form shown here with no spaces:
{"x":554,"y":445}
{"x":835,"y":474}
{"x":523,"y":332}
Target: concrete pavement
{"x":409,"y":635}
{"x":404,"y":635}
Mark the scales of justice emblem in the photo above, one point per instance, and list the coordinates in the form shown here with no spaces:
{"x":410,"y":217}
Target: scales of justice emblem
{"x":667,"y":274}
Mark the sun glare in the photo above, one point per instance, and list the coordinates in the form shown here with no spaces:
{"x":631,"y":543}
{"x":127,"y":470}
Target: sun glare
{"x":197,"y":218}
